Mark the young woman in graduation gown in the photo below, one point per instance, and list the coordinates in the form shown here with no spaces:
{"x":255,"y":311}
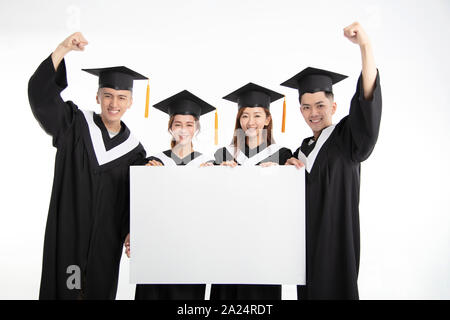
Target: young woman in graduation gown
{"x":332,"y":158}
{"x":88,"y":217}
{"x":252,"y":144}
{"x":184,"y":110}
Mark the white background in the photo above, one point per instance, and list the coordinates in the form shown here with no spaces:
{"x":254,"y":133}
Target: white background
{"x":213,"y":47}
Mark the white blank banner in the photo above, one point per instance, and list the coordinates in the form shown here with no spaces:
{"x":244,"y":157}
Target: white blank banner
{"x":243,"y":225}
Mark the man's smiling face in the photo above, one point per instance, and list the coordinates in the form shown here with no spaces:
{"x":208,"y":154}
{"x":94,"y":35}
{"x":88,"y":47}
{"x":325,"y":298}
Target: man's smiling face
{"x":113,"y":103}
{"x":317,"y":109}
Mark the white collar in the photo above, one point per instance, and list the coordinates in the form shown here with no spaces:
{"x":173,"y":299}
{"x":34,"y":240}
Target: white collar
{"x":309,"y":161}
{"x":103,"y":156}
{"x":243,"y":160}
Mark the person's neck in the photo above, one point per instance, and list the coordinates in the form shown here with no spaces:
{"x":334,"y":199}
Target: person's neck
{"x":182,"y":151}
{"x":318,"y":133}
{"x":253,"y":142}
{"x":112,"y":126}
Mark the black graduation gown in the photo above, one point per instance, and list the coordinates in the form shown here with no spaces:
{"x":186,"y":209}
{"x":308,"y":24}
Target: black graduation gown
{"x":280,"y":157}
{"x":88,"y":216}
{"x":179,"y":162}
{"x":251,"y":291}
{"x":332,"y":201}
{"x":171,"y":291}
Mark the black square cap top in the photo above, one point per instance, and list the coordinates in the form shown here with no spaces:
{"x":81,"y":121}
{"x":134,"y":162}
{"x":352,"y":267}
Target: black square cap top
{"x":311,"y":80}
{"x":252,"y":95}
{"x":118,"y":78}
{"x":184,"y":102}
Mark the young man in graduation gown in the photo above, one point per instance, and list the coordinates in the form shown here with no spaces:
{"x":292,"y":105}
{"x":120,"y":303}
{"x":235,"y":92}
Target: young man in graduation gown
{"x":88,"y":217}
{"x":332,"y":157}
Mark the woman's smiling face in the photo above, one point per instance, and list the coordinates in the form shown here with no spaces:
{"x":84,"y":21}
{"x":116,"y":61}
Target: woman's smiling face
{"x":253,"y":121}
{"x":183,"y":128}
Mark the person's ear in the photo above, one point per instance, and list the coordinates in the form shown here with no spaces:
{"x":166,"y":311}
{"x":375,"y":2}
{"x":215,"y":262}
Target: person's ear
{"x":268,"y":119}
{"x":197,"y":127}
{"x":301,"y":111}
{"x":97,"y":98}
{"x":333,"y":108}
{"x":131,"y":102}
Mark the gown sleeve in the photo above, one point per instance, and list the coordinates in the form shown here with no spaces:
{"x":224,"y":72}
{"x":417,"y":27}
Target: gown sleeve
{"x":44,"y":88}
{"x":364,"y":121}
{"x":221,"y":155}
{"x":295,"y":154}
{"x":142,"y":160}
{"x":285,"y":154}
{"x":154,"y":158}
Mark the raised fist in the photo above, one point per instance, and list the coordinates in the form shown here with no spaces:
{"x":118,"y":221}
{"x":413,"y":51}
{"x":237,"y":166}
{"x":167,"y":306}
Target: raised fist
{"x":356,"y":34}
{"x":75,"y":42}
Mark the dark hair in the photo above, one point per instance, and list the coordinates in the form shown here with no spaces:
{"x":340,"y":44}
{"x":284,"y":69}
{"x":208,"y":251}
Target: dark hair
{"x":328,"y":94}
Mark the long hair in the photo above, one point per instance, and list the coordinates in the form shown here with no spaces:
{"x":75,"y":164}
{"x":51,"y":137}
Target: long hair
{"x":173,"y":143}
{"x":239,"y":134}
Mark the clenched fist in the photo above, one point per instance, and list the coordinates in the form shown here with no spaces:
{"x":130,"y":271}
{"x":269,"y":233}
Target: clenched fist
{"x":75,"y":42}
{"x":356,"y":34}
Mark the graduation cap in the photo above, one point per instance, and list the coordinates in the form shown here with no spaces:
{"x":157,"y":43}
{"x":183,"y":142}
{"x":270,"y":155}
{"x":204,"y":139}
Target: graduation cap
{"x":185,"y":102}
{"x":252,"y":95}
{"x":311,"y":80}
{"x":119,"y":78}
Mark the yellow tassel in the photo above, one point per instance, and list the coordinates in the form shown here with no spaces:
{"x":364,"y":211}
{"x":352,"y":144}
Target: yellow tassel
{"x":216,"y":129}
{"x":147,"y":99}
{"x":283,"y":123}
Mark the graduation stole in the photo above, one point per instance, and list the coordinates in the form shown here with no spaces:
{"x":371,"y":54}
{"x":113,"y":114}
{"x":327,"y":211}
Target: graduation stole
{"x":243,"y":160}
{"x":309,"y":160}
{"x":101,"y":154}
{"x":167,"y":161}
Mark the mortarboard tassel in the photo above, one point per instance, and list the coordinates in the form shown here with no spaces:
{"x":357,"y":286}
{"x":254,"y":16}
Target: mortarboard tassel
{"x":147,"y":99}
{"x":283,"y":123}
{"x":216,"y":129}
